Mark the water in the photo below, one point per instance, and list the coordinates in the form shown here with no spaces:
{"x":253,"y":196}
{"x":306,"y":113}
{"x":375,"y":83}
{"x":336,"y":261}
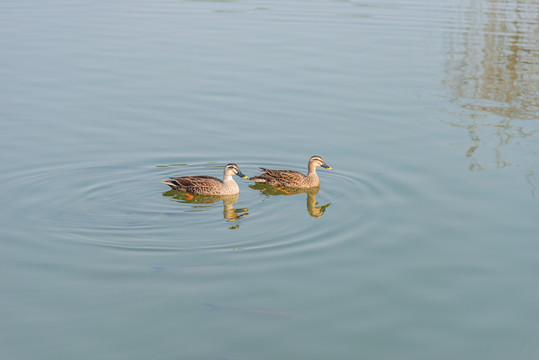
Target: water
{"x":420,"y":244}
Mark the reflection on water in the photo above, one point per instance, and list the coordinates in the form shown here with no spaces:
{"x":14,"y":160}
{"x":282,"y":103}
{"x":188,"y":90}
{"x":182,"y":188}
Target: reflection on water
{"x":493,"y":71}
{"x":200,"y":202}
{"x":312,"y":209}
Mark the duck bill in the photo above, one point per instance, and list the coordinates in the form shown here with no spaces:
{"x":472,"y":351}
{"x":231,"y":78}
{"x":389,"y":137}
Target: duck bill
{"x":326,"y":166}
{"x":242,"y":175}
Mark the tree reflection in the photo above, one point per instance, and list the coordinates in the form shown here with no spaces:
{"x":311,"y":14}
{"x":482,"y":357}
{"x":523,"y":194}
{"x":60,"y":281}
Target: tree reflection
{"x":312,"y":208}
{"x":493,"y":69}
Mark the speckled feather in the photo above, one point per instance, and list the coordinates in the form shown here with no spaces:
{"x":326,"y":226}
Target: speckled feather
{"x":288,"y":178}
{"x":203,"y":185}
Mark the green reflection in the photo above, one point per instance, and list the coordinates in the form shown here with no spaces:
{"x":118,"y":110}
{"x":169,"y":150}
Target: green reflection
{"x":170,"y":165}
{"x":312,"y":208}
{"x":199,"y":203}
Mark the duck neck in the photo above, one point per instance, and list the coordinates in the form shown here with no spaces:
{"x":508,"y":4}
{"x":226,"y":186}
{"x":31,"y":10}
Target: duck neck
{"x":227,"y":179}
{"x":311,"y":171}
{"x":230,"y":186}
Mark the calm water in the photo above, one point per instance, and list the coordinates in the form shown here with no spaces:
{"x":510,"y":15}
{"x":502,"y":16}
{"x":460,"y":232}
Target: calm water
{"x":422,"y":243}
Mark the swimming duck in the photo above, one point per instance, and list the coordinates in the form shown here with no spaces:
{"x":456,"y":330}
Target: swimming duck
{"x":208,"y":185}
{"x":293,"y":179}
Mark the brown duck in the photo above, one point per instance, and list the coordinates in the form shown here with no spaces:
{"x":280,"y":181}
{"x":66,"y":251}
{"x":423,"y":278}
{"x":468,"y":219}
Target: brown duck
{"x":208,"y":185}
{"x":293,"y":179}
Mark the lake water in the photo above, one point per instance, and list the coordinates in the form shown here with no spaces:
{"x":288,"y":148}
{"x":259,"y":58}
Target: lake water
{"x":422,"y":243}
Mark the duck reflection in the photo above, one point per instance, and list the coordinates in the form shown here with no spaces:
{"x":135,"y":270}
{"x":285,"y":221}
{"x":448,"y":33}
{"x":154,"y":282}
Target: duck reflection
{"x":312,"y":208}
{"x":198,"y":203}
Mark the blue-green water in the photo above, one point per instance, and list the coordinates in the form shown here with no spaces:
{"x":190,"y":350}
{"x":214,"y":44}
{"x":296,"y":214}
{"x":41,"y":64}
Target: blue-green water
{"x":427,"y":112}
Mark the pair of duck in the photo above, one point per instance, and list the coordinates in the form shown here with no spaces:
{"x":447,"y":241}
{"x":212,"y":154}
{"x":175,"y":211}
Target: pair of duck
{"x":209,"y":185}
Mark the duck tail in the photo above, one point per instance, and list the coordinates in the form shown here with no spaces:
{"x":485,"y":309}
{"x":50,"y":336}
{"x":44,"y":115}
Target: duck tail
{"x":258,"y":179}
{"x":172,"y":183}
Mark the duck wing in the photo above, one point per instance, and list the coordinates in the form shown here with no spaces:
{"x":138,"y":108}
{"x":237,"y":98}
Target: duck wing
{"x":286,"y":175}
{"x":279,"y":177}
{"x":193,"y":183}
{"x":201,"y":180}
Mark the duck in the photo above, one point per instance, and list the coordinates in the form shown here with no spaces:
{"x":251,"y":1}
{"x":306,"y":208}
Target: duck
{"x":208,"y":185}
{"x":293,"y":179}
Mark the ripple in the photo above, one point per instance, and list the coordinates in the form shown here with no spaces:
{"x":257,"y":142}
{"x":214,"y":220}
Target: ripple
{"x":126,"y":206}
{"x":88,"y":201}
